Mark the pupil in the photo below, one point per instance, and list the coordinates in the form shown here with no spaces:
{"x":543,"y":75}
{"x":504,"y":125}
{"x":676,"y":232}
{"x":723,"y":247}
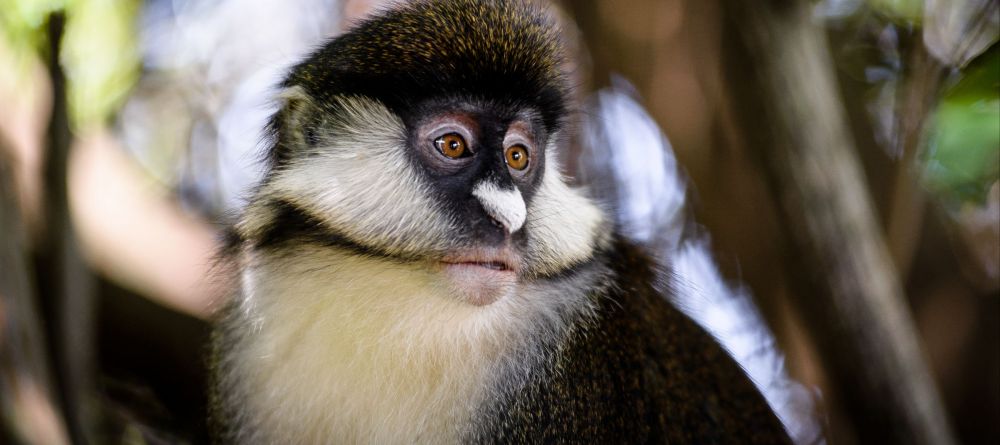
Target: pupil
{"x":516,"y":156}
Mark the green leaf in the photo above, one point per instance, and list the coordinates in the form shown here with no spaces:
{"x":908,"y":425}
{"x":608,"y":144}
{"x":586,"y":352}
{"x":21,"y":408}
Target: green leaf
{"x":963,"y":159}
{"x":101,"y":57}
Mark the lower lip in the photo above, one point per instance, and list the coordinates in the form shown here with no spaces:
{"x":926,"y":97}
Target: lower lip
{"x":479,"y":284}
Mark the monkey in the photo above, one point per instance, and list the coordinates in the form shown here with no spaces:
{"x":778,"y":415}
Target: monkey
{"x":414,"y":267}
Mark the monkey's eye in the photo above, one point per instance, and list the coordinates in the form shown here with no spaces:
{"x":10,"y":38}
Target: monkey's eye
{"x":517,"y":157}
{"x":451,"y":145}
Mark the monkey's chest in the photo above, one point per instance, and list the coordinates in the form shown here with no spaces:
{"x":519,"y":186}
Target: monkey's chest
{"x":334,"y":358}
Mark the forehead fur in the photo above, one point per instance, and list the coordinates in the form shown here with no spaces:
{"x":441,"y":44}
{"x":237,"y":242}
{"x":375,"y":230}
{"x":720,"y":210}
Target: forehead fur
{"x":506,"y":51}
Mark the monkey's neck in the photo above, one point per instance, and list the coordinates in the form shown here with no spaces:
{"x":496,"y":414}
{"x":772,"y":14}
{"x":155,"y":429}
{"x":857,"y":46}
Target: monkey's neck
{"x":367,"y":350}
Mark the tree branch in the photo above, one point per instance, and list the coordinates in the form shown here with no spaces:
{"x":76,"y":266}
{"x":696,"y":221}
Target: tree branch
{"x":847,"y":289}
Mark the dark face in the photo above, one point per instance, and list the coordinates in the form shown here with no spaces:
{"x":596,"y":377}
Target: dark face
{"x":460,"y":145}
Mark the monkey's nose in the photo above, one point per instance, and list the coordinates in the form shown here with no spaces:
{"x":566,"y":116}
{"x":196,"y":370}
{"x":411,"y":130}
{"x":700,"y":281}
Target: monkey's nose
{"x":506,"y":207}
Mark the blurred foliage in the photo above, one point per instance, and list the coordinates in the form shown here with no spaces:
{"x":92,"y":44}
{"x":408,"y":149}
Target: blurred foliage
{"x":101,"y":56}
{"x":963,"y":157}
{"x":100,"y":53}
{"x":961,"y":160}
{"x":22,"y":36}
{"x":910,"y":11}
{"x":23,"y":21}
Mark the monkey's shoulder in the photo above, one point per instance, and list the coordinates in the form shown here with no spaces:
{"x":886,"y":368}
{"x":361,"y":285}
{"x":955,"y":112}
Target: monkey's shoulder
{"x":637,"y":371}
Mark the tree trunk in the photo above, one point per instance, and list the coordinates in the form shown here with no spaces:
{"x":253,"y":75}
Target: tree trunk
{"x":64,"y":283}
{"x":787,"y":103}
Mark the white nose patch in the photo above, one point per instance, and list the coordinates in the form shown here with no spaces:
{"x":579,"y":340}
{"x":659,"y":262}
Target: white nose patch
{"x":505,"y":206}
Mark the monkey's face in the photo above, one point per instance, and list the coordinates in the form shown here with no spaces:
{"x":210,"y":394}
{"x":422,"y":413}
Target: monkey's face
{"x":482,"y":163}
{"x":462,"y":188}
{"x":436,"y":154}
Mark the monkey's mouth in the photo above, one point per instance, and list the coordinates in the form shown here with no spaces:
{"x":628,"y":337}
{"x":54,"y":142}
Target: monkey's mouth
{"x":483,"y":277}
{"x":500,"y":260}
{"x":492,"y":265}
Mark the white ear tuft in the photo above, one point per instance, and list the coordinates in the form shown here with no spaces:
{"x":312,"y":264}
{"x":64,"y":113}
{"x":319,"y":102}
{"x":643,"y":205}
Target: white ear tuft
{"x":291,"y":93}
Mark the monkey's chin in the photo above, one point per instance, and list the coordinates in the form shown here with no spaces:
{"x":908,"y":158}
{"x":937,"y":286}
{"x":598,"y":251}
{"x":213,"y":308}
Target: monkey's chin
{"x":479,"y":285}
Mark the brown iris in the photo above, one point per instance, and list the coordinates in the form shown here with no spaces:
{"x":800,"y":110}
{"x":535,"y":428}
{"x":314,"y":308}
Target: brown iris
{"x":517,"y":157}
{"x":451,"y":145}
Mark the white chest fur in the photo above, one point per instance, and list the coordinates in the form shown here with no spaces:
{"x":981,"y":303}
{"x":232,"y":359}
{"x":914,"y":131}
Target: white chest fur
{"x":336,"y":348}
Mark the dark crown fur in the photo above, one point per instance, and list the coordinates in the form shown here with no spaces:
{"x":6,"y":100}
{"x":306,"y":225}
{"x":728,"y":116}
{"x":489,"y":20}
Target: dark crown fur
{"x":507,"y":51}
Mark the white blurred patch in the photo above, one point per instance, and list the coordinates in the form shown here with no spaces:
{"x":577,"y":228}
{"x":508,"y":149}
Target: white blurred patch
{"x":639,"y":178}
{"x":212,"y":69}
{"x":836,"y":9}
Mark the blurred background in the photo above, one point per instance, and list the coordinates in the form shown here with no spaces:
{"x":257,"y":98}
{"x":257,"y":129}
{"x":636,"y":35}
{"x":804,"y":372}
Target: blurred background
{"x":843,"y":155}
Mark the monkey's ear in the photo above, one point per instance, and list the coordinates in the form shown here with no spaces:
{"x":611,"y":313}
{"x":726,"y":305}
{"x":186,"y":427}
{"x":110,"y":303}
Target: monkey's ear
{"x":293,"y":126}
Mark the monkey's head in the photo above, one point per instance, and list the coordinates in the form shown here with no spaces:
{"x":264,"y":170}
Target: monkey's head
{"x":425,"y":135}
